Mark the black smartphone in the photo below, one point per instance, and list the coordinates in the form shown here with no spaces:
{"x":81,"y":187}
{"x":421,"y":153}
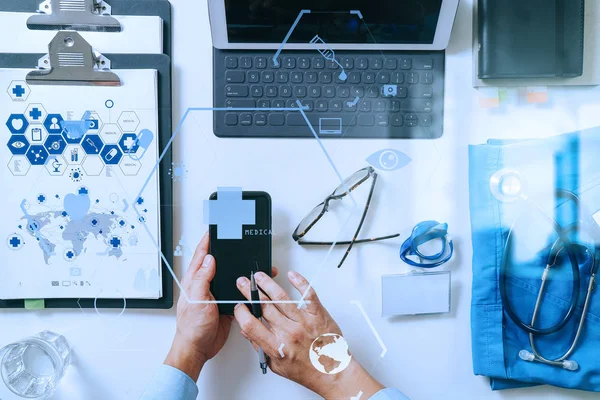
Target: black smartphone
{"x":239,"y":257}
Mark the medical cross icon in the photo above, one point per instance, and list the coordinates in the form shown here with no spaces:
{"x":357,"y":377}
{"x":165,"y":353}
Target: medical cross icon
{"x":18,"y":91}
{"x":129,"y":143}
{"x":229,"y":212}
{"x":115,"y":242}
{"x":15,"y":242}
{"x":34,"y":113}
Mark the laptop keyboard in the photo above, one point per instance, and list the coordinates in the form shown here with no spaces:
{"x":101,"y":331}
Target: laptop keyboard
{"x":384,"y":94}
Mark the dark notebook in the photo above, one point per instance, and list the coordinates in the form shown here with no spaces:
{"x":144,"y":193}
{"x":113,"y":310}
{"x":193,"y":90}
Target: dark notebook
{"x":530,"y":38}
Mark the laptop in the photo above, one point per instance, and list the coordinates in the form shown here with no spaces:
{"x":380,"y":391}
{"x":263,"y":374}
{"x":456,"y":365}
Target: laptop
{"x":330,"y":68}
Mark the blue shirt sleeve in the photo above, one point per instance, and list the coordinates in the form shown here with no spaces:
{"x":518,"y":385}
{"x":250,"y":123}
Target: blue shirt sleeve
{"x":389,"y":394}
{"x":170,"y":383}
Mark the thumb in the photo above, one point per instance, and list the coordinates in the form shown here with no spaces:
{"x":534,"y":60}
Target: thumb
{"x":200,"y":285}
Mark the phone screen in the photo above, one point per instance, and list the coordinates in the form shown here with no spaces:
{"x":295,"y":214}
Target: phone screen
{"x":239,"y":257}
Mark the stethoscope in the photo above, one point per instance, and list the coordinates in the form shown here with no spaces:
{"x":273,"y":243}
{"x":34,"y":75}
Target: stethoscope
{"x":507,"y":186}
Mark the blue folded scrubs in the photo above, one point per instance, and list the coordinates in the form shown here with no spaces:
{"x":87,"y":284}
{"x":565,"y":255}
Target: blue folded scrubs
{"x":572,"y":162}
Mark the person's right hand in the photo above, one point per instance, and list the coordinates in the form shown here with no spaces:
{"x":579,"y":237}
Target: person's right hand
{"x":297,"y":328}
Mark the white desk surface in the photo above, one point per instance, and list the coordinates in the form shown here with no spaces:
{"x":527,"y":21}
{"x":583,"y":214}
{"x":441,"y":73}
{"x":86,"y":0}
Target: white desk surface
{"x":429,"y":357}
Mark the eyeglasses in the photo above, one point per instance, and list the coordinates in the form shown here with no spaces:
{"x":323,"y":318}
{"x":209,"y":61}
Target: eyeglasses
{"x":349,"y":185}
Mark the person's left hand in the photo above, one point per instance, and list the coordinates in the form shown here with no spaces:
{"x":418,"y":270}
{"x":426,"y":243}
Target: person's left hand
{"x":201,"y":331}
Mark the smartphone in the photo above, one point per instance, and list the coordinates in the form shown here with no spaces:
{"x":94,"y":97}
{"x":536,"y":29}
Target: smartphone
{"x":240,"y":257}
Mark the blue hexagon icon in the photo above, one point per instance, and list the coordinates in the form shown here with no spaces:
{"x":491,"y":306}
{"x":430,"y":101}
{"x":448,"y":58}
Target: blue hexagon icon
{"x":92,"y":144}
{"x":37,"y":155}
{"x":55,"y":144}
{"x":53,"y":124}
{"x":129,"y":143}
{"x":111,"y":154}
{"x":18,"y":144}
{"x":17,"y":124}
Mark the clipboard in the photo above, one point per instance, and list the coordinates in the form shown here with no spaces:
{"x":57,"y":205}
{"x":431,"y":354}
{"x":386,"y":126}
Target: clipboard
{"x":85,"y":75}
{"x":88,"y":21}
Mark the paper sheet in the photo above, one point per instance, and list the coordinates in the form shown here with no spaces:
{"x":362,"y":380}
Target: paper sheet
{"x":72,"y":162}
{"x":140,"y":35}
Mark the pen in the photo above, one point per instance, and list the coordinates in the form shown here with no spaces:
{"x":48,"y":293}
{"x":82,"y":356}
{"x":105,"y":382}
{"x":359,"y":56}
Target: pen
{"x":257,"y":311}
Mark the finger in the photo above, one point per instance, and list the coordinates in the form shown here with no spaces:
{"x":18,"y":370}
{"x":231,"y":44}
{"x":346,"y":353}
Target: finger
{"x":277,"y":294}
{"x":199,"y":285}
{"x":274,"y":272}
{"x":199,"y":254}
{"x":270,"y":311}
{"x":313,"y":305}
{"x":254,"y":330}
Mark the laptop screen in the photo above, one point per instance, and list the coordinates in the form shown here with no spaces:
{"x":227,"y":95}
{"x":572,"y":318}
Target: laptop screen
{"x":384,"y":21}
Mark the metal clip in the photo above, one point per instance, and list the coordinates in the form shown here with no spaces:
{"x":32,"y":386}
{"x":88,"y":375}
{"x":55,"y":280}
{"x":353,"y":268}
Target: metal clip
{"x":72,"y":61}
{"x":77,"y":15}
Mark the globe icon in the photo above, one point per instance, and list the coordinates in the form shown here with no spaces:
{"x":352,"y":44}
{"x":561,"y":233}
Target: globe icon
{"x":329,"y":354}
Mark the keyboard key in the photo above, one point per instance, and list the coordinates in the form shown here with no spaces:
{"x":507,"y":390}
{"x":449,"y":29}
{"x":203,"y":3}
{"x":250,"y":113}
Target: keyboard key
{"x":246,"y":119}
{"x":321,"y":105}
{"x":425,"y":119}
{"x":231,"y":62}
{"x":310,"y":77}
{"x":421,"y":92}
{"x":264,"y":104}
{"x":235,"y":77}
{"x":314,"y":91}
{"x":411,"y":120}
{"x":240,"y":103}
{"x":373,"y":91}
{"x":260,"y":62}
{"x":308,"y":105}
{"x":417,"y":105}
{"x":362,"y":63}
{"x":350,"y":106}
{"x":276,"y":119}
{"x":256,"y":91}
{"x":366,"y":120}
{"x":354,"y":77}
{"x":253,"y":76}
{"x":289,"y":62}
{"x":375,"y":63}
{"x":357,"y":91}
{"x":397,"y":120}
{"x":272,"y":63}
{"x":325,"y":77}
{"x":383,"y":77}
{"x":368,"y":77}
{"x":300,"y":91}
{"x":338,"y":78}
{"x":397,"y":77}
{"x":347,"y":62}
{"x":423,"y":63}
{"x":364,"y":105}
{"x":236,"y":91}
{"x":402,"y":92}
{"x":329,"y":91}
{"x":291,"y":104}
{"x":297,"y":119}
{"x":271,"y":91}
{"x":335,"y":105}
{"x":297,"y":77}
{"x":318,"y":63}
{"x":231,"y":119}
{"x":278,"y":104}
{"x":379,"y":106}
{"x":268,"y":77}
{"x":285,"y":91}
{"x":406,"y":63}
{"x":393,"y":106}
{"x":383,"y":120}
{"x":412,"y":78}
{"x":427,"y":77}
{"x":343,"y":92}
{"x":391,"y":63}
{"x":246,"y":63}
{"x":260,"y":119}
{"x":304,"y":63}
{"x":282,"y":77}
{"x":332,"y":65}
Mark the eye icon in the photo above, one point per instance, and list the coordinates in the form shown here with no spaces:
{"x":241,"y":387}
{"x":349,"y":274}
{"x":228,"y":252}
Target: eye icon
{"x":389,"y":160}
{"x":18,"y":145}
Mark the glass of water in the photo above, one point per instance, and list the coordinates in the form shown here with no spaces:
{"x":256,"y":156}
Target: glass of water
{"x":32,"y":367}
